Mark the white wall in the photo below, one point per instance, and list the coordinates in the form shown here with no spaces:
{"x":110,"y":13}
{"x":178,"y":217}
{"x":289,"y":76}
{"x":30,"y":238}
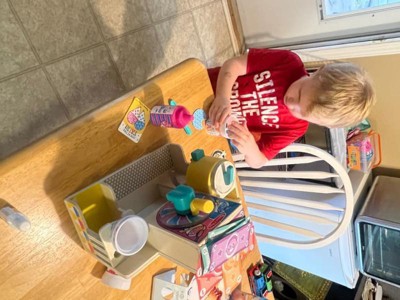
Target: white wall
{"x":283,"y":22}
{"x":384,"y":71}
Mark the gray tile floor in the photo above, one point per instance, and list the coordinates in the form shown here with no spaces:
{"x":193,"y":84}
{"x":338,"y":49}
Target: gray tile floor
{"x":60,"y":59}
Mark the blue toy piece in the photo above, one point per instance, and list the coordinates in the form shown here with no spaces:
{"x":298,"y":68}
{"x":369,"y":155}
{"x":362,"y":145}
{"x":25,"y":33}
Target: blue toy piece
{"x":181,"y":197}
{"x":260,"y":279}
{"x":139,"y":125}
{"x":259,"y":282}
{"x":172,"y":102}
{"x":229,"y":175}
{"x":197,"y":154}
{"x":199,"y":116}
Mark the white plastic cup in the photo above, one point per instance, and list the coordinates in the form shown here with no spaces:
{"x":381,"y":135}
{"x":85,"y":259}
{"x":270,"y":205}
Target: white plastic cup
{"x":129,"y":234}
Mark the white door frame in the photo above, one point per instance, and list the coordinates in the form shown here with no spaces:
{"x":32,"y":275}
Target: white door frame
{"x":350,"y":50}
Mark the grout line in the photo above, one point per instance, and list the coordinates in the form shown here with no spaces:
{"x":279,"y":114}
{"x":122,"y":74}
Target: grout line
{"x":197,"y":30}
{"x":190,"y":10}
{"x":221,"y":52}
{"x":69,"y":55}
{"x":105,"y":40}
{"x":198,"y":36}
{"x":152,"y":24}
{"x":96,"y":21}
{"x":205,"y":4}
{"x":66,"y":111}
{"x":110,"y":57}
{"x":41,"y":65}
{"x":160,"y":44}
{"x":24,"y":32}
{"x":155,"y":29}
{"x":148,"y":11}
{"x":144,"y":27}
{"x":116,"y":37}
{"x":50,"y":62}
{"x":15,"y":75}
{"x":114,"y":64}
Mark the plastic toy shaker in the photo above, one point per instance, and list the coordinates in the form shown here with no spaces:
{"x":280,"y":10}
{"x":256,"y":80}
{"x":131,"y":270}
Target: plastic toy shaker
{"x":223,"y":128}
{"x":13,"y":217}
{"x":170,"y":116}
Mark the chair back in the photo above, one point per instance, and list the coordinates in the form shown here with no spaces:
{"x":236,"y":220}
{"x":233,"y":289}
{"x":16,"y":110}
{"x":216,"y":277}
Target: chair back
{"x":298,"y":208}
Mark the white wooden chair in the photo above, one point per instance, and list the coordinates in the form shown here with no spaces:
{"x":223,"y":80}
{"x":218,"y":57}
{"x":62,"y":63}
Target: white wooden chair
{"x":290,"y":211}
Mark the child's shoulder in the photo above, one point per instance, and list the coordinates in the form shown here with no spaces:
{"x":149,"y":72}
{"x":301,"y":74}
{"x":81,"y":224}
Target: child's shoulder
{"x":281,"y":55}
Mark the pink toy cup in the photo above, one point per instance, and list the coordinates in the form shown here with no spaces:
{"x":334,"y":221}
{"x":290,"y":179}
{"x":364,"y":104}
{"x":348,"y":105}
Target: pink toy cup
{"x":171,"y":116}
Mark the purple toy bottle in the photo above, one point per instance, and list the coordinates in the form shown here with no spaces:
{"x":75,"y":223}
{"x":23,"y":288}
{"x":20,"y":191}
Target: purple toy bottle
{"x":170,"y":116}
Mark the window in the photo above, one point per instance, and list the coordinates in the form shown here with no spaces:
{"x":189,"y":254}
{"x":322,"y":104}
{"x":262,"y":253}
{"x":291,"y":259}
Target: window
{"x":339,"y":8}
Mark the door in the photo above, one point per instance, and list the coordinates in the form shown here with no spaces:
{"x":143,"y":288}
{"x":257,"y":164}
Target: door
{"x":285,"y":23}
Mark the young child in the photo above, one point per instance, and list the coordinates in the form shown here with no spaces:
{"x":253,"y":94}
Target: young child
{"x":273,"y":98}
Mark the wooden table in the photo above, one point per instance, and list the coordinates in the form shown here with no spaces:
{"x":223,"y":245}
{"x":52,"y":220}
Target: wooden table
{"x":48,"y":261}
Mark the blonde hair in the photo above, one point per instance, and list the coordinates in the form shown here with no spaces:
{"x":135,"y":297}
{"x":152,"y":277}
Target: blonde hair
{"x":344,"y":94}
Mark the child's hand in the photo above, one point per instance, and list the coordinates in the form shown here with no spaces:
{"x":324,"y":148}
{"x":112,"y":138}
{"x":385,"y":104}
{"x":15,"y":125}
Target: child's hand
{"x":220,"y":109}
{"x":242,"y":138}
{"x":246,"y":144}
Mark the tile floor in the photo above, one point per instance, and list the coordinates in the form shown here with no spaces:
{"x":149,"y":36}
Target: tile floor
{"x":60,"y":59}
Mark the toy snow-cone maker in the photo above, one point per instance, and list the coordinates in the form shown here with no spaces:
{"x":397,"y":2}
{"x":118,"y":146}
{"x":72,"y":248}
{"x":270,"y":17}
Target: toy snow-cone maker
{"x":211,"y":175}
{"x":184,"y":210}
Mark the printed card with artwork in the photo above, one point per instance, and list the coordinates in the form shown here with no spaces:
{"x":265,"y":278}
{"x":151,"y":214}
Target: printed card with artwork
{"x":135,"y":120}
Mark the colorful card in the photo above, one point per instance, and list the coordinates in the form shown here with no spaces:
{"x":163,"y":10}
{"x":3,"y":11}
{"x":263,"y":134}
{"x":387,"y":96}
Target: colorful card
{"x":216,"y":252}
{"x":220,"y":282}
{"x":135,"y":120}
